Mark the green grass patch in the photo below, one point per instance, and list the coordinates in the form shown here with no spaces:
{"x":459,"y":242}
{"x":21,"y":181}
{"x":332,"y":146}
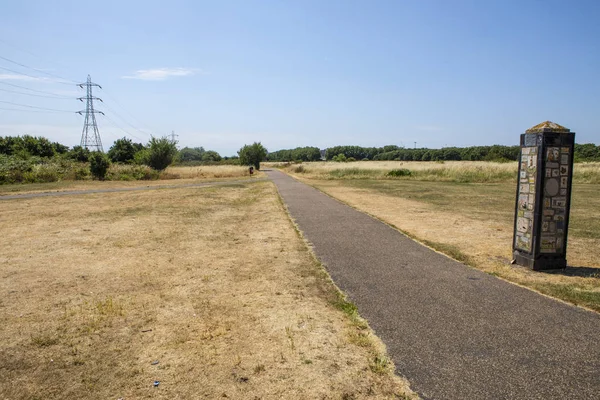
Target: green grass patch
{"x":450,"y":250}
{"x":572,"y":293}
{"x":399,"y":172}
{"x":354,"y":173}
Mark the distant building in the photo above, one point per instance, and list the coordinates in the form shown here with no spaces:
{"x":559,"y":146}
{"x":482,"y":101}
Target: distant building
{"x":322,"y":154}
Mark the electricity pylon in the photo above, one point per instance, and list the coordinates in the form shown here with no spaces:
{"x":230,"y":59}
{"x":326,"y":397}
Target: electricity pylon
{"x":90,"y":136}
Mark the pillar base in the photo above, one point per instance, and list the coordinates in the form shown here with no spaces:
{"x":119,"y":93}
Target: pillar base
{"x":541,"y":263}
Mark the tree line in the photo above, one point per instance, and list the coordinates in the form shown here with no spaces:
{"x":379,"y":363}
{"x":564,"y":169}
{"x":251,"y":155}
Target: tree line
{"x":582,"y":152}
{"x":158,"y":153}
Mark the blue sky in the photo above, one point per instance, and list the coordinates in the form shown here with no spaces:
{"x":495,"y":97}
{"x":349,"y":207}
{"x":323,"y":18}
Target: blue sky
{"x":297,"y":73}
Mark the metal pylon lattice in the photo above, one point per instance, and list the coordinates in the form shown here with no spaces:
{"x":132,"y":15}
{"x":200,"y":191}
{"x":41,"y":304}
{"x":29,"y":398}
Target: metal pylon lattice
{"x":90,"y":136}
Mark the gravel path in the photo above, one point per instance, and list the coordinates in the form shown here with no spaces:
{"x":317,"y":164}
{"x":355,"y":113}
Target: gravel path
{"x":453,"y":331}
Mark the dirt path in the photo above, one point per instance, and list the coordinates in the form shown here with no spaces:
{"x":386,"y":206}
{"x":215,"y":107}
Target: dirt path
{"x":453,"y":331}
{"x":126,"y":189}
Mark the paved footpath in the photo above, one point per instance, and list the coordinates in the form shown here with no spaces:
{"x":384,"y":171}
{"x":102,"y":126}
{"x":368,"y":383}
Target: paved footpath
{"x":453,"y":331}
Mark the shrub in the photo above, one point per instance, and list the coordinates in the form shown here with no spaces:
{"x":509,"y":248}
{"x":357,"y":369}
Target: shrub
{"x":121,"y":172}
{"x":80,"y":154}
{"x":299,"y":169}
{"x":159,"y":154}
{"x":399,"y":172}
{"x":99,"y":164}
{"x":122,"y":151}
{"x":142,"y":157}
{"x":339,"y":158}
{"x":211,"y":156}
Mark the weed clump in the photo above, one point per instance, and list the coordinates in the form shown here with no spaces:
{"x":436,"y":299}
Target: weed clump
{"x":99,"y":164}
{"x":399,"y":172}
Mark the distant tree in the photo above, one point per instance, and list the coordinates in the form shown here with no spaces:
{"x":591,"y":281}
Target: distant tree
{"x":99,"y":164}
{"x":79,"y":153}
{"x":28,"y":145}
{"x":340,"y":158}
{"x":160,"y":153}
{"x":188,"y":154}
{"x":122,"y":151}
{"x":138,"y":147}
{"x":389,"y":147}
{"x":252,"y":154}
{"x":587,"y":152}
{"x":60,"y":148}
{"x":211,"y":156}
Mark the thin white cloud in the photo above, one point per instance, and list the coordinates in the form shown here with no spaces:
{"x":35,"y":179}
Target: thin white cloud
{"x":15,"y":77}
{"x":160,"y":74}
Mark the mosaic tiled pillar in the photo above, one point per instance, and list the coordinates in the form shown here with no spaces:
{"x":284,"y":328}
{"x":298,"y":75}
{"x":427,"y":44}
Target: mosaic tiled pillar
{"x":543,"y":197}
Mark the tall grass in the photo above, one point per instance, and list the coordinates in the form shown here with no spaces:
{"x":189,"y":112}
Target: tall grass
{"x":206,"y":171}
{"x":448,"y":171}
{"x":586,"y":172}
{"x":14,"y":170}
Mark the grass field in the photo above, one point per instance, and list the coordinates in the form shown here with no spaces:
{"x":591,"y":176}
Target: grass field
{"x":172,"y":176}
{"x":209,"y":291}
{"x":473,"y":222}
{"x":447,"y":171}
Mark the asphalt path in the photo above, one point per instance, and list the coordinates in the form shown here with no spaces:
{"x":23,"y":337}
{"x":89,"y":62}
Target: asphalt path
{"x":453,"y":331}
{"x":126,"y":189}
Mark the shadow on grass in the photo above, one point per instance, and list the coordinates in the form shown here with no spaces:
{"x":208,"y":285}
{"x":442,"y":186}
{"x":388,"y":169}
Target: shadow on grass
{"x":584,"y":272}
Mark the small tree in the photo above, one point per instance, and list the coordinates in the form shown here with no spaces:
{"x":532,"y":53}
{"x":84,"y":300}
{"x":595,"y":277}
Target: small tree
{"x":211,"y":156}
{"x":252,"y":154}
{"x":99,"y":164}
{"x":79,"y":153}
{"x":191,"y":154}
{"x":161,"y":153}
{"x":340,"y":158}
{"x":122,"y":151}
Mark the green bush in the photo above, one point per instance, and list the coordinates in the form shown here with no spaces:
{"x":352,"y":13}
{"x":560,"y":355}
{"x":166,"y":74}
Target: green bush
{"x":339,"y":158}
{"x":99,"y":164}
{"x":159,"y":154}
{"x":354,"y":173}
{"x":120,"y":172}
{"x":123,"y":150}
{"x":252,"y":154}
{"x":80,"y":154}
{"x":399,"y":172}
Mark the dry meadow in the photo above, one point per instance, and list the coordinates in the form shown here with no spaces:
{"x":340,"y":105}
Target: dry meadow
{"x":442,"y":171}
{"x":467,"y":213}
{"x":208,"y":291}
{"x":174,"y":175}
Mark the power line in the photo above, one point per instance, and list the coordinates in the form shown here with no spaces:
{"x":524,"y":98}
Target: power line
{"x":34,"y":77}
{"x":37,"y":95}
{"x":40,"y":108}
{"x":124,"y":120}
{"x":33,"y":54}
{"x":33,"y":111}
{"x":32,"y":90}
{"x":35,"y":69}
{"x":128,"y":113}
{"x":119,"y":127}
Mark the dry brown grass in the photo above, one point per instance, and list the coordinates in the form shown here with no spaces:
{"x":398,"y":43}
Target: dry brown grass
{"x":170,"y":176}
{"x":205,"y":172}
{"x":447,"y":171}
{"x":213,"y":283}
{"x":474,"y":224}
